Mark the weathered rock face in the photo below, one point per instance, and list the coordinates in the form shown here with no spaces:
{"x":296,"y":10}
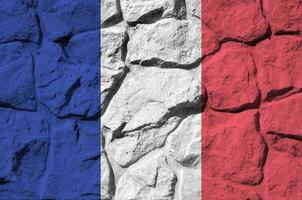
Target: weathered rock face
{"x":17,"y":64}
{"x":189,"y":184}
{"x":243,"y":148}
{"x":234,"y":85}
{"x":279,"y":71}
{"x":49,"y":99}
{"x":17,"y":22}
{"x":151,"y":100}
{"x":275,"y":119}
{"x":107,"y":179}
{"x":251,"y":122}
{"x":220,"y":191}
{"x":111,"y":12}
{"x":134,"y":11}
{"x":66,"y":88}
{"x":231,"y":19}
{"x":281,"y":164}
{"x":77,"y":16}
{"x":184,"y":144}
{"x":284,"y":161}
{"x":146,"y":105}
{"x":150,"y":178}
{"x":140,"y":126}
{"x":284,"y":16}
{"x":193,"y":9}
{"x":113,"y":68}
{"x":210,"y":41}
{"x":166,"y":43}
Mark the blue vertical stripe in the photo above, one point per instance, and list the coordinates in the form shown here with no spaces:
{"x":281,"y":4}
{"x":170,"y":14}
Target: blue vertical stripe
{"x":49,"y":99}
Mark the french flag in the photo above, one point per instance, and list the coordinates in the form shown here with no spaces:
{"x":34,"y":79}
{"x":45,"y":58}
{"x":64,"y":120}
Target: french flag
{"x":150,"y":99}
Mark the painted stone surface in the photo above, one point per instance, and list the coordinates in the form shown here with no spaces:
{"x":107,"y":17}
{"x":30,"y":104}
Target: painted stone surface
{"x":151,"y":100}
{"x":49,"y":99}
{"x":251,"y":70}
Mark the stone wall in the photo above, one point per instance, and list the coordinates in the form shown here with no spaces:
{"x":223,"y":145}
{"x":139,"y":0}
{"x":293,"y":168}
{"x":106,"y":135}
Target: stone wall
{"x":49,"y":99}
{"x":252,"y":75}
{"x":151,"y":99}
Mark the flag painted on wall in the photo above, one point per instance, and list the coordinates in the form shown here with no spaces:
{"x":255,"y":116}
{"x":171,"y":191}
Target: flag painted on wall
{"x":150,"y":100}
{"x":49,"y":99}
{"x":251,"y":72}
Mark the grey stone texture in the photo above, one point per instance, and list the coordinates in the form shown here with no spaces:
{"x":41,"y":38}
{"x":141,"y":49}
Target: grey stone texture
{"x":151,"y":100}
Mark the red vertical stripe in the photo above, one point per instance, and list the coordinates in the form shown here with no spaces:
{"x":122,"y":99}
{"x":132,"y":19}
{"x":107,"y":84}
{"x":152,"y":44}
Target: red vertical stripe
{"x":252,"y":79}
